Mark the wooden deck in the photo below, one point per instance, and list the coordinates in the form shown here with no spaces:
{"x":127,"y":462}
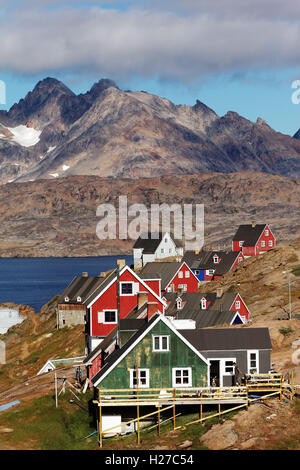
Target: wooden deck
{"x":259,"y":386}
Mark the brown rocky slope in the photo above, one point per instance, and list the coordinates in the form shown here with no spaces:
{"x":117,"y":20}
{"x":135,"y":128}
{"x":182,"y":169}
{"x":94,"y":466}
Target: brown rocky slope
{"x":58,"y":218}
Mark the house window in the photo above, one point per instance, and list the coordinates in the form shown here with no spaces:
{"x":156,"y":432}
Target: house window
{"x":187,"y":273}
{"x":270,"y":242}
{"x":203,"y":303}
{"x":143,"y":375}
{"x":110,"y":316}
{"x":211,"y":272}
{"x":263,"y":243}
{"x":241,"y":243}
{"x":160,"y":343}
{"x":67,"y":299}
{"x":126,"y":288}
{"x":183,"y":287}
{"x":228,"y":367}
{"x":266,"y":232}
{"x":197,"y":272}
{"x":216,"y":259}
{"x":78,"y":299}
{"x":180,"y":274}
{"x":182,"y":377}
{"x":238,"y":304}
{"x":179,"y":303}
{"x":240,"y":259}
{"x":162,"y":250}
{"x":253,"y":366}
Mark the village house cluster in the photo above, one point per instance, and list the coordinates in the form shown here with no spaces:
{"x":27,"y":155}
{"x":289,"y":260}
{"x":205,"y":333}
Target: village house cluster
{"x":150,"y":326}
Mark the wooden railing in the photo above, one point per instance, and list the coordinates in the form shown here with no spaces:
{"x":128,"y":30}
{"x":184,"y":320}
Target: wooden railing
{"x":165,"y":399}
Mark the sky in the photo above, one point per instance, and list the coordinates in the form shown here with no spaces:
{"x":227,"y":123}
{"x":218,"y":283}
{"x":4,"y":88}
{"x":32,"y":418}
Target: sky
{"x":233,"y":55}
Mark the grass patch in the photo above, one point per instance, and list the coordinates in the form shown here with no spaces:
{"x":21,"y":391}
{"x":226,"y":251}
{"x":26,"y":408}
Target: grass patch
{"x":40,"y":425}
{"x":296,"y":271}
{"x":285,"y":330}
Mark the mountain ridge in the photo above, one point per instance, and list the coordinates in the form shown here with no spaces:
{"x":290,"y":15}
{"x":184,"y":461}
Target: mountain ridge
{"x":110,"y":132}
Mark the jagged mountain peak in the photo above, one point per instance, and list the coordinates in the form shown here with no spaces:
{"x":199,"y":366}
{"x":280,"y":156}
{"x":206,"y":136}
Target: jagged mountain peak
{"x":110,"y":132}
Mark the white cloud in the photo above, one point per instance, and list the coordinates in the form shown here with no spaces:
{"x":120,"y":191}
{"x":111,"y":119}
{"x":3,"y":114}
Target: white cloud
{"x":152,"y":43}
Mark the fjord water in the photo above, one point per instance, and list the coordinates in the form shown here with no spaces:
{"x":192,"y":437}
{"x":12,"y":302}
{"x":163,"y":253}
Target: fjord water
{"x":35,"y":281}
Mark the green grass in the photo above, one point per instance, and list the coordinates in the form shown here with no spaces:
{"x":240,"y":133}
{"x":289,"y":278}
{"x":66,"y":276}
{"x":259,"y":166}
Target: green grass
{"x":286,"y":330}
{"x":296,"y":271}
{"x":40,"y":425}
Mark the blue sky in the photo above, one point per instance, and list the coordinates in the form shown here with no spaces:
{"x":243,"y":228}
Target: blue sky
{"x":231,"y":55}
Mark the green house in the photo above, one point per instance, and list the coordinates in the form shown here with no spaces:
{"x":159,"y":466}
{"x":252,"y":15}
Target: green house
{"x":159,"y":355}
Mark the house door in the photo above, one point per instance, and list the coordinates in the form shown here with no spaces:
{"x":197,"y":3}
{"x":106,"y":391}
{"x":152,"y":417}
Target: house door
{"x":214,"y":369}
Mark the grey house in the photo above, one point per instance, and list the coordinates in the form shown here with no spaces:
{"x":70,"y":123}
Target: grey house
{"x":250,"y":348}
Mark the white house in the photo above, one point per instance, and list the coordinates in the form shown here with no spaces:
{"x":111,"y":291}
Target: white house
{"x":152,"y":246}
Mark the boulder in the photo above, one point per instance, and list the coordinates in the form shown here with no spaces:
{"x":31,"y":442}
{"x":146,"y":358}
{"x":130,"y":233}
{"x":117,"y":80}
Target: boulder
{"x":220,"y":436}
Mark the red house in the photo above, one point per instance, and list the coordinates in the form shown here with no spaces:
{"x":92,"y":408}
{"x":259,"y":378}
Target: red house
{"x":173,"y":277}
{"x":134,"y":294}
{"x":190,"y":303}
{"x":253,"y":239}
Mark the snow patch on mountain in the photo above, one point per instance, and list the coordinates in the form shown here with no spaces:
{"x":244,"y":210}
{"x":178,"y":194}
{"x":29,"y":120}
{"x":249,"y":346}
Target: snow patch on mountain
{"x":25,"y":136}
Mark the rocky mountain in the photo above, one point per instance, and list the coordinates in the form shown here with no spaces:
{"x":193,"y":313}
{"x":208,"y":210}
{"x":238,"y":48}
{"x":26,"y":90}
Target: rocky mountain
{"x":53,"y":132}
{"x":58,"y":217}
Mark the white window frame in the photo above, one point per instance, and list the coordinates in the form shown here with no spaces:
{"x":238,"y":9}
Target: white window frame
{"x":197,"y":272}
{"x":187,"y":274}
{"x":210,"y":272}
{"x":241,"y":243}
{"x":183,"y":287}
{"x":110,"y":322}
{"x":270,"y":242}
{"x":131,"y":377}
{"x":179,"y":304}
{"x":223,"y":365}
{"x":190,"y":379}
{"x":216,"y":259}
{"x":237,"y":304}
{"x":249,"y":352}
{"x":133,"y":288}
{"x":180,"y":275}
{"x":203,"y":304}
{"x":267,"y":232}
{"x":160,"y":343}
{"x":263,"y":243}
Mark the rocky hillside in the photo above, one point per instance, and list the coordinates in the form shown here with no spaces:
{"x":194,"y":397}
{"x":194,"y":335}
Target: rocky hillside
{"x":58,"y":217}
{"x":53,"y":133}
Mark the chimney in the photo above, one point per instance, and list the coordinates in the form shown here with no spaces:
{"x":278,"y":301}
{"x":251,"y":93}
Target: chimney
{"x":142,"y":298}
{"x":121,"y":263}
{"x":219,"y":292}
{"x":253,"y":223}
{"x":85,"y":275}
{"x":152,"y":309}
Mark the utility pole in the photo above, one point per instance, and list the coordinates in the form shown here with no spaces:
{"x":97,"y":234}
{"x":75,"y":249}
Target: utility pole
{"x":290,"y":293}
{"x":118,"y":305}
{"x":55,"y":378}
{"x":290,"y":297}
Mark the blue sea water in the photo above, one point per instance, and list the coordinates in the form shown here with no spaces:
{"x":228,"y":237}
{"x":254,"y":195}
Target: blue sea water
{"x":35,"y":281}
